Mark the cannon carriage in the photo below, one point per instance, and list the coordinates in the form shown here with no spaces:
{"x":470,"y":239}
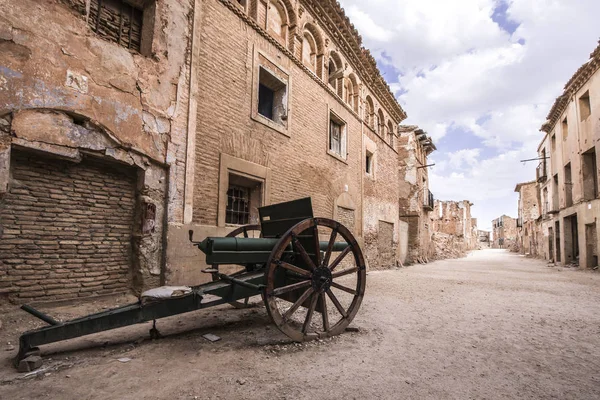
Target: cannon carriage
{"x":300,"y":266}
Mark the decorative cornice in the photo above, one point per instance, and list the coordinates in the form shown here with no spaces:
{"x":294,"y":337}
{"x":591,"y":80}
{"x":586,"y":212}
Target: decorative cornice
{"x":250,"y":21}
{"x":332,"y":17}
{"x":576,"y":82}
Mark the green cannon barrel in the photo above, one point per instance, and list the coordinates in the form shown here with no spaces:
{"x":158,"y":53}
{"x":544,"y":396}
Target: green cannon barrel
{"x":232,"y":250}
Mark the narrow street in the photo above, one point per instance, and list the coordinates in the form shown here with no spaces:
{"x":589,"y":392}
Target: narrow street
{"x":492,"y":325}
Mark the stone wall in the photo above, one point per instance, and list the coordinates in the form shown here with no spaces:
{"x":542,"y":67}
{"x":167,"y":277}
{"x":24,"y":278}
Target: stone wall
{"x":67,"y":93}
{"x":454,"y":227}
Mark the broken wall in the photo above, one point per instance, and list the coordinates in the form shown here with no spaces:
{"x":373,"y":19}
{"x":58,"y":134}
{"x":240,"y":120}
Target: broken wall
{"x":69,"y":94}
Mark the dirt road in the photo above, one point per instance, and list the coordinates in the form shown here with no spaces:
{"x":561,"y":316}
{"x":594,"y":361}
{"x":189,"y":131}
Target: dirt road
{"x":493,"y":325}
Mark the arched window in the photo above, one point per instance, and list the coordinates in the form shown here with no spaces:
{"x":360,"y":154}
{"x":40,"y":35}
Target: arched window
{"x":390,"y":133}
{"x":277,"y":22}
{"x":309,"y":52}
{"x":352,"y":92}
{"x":370,"y":112}
{"x":380,"y":123}
{"x":335,"y":73}
{"x":349,"y":90}
{"x":312,"y":37}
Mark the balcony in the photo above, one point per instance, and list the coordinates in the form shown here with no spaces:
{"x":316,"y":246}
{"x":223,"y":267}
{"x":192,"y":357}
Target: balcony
{"x":428,"y":200}
{"x":540,"y":172}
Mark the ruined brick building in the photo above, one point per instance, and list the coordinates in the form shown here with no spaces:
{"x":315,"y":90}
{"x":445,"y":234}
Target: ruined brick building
{"x":504,"y":233}
{"x":454,"y":230}
{"x":125,"y":123}
{"x":568,"y":171}
{"x":528,"y":235}
{"x":483,"y":238}
{"x":416,"y":200}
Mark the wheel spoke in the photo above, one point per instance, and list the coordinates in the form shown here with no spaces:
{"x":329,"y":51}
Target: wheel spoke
{"x":289,"y":288}
{"x":339,"y":258}
{"x":336,"y":303}
{"x":298,"y":303}
{"x":245,"y":232}
{"x":344,"y":288}
{"x":325,"y":315}
{"x":293,"y":268}
{"x":344,"y":273}
{"x":309,"y":314}
{"x":303,"y":253}
{"x":330,"y":247}
{"x":317,"y":245}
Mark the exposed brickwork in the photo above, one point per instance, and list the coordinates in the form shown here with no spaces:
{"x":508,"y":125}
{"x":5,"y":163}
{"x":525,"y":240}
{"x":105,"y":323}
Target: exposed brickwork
{"x":66,"y":229}
{"x":451,"y":221}
{"x":347,"y":218}
{"x":385,"y":244}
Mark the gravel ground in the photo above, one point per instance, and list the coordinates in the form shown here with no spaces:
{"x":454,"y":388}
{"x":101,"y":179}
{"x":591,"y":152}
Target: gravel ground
{"x":490,"y":326}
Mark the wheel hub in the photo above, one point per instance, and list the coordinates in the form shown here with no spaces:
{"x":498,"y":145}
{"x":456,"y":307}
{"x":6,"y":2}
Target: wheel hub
{"x":321,"y":279}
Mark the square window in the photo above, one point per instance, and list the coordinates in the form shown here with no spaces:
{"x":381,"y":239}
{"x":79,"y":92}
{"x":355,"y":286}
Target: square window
{"x":272,"y":97}
{"x":585,"y":108}
{"x":337,"y":136}
{"x":243,"y":200}
{"x":119,"y":22}
{"x":238,"y":205}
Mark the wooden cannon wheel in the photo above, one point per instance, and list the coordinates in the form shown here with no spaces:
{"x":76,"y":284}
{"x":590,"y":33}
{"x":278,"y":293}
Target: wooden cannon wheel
{"x":313,"y":288}
{"x":243,"y":231}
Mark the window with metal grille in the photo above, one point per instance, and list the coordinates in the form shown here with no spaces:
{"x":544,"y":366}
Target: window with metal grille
{"x":238,"y":205}
{"x":117,"y":21}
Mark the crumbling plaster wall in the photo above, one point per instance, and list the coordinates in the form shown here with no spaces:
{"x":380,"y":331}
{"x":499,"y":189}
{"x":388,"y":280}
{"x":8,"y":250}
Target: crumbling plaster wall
{"x":412,"y":184}
{"x":380,"y":196}
{"x":70,"y":93}
{"x":454,"y":230}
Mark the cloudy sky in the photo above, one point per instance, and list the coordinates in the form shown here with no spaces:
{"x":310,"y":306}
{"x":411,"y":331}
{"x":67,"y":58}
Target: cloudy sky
{"x":480,"y":76}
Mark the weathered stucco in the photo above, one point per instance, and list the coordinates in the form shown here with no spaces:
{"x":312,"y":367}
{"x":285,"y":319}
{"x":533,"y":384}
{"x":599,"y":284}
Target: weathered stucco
{"x":67,"y":93}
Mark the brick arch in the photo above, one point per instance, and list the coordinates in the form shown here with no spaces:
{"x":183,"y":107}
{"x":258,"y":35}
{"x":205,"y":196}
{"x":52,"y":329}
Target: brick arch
{"x":381,"y":122}
{"x":316,"y":34}
{"x":353,"y":82}
{"x":77,"y":117}
{"x":337,"y":59}
{"x":292,"y":19}
{"x":370,"y":112}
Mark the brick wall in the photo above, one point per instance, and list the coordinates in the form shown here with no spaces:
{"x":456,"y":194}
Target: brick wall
{"x":299,"y":163}
{"x":66,"y":229}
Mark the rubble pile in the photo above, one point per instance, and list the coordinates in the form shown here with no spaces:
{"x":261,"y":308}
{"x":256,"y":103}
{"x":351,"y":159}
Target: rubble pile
{"x":447,"y":246}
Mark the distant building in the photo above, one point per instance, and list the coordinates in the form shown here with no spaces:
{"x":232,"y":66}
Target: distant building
{"x":528,"y":234}
{"x":505,"y":233}
{"x":453,"y":218}
{"x":483,"y":239}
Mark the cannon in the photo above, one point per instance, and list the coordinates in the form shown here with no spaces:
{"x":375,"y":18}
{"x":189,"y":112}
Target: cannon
{"x":285,"y":262}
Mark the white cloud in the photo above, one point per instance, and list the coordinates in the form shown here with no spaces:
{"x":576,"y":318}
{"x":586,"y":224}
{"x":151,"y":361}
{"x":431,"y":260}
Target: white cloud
{"x":461,"y":72}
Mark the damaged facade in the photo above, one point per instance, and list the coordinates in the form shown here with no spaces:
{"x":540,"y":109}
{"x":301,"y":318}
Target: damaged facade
{"x":568,"y":171}
{"x":454,"y":230}
{"x":93,"y":125}
{"x":528,"y":235}
{"x":123,"y":124}
{"x":416,"y":200}
{"x":504,"y":233}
